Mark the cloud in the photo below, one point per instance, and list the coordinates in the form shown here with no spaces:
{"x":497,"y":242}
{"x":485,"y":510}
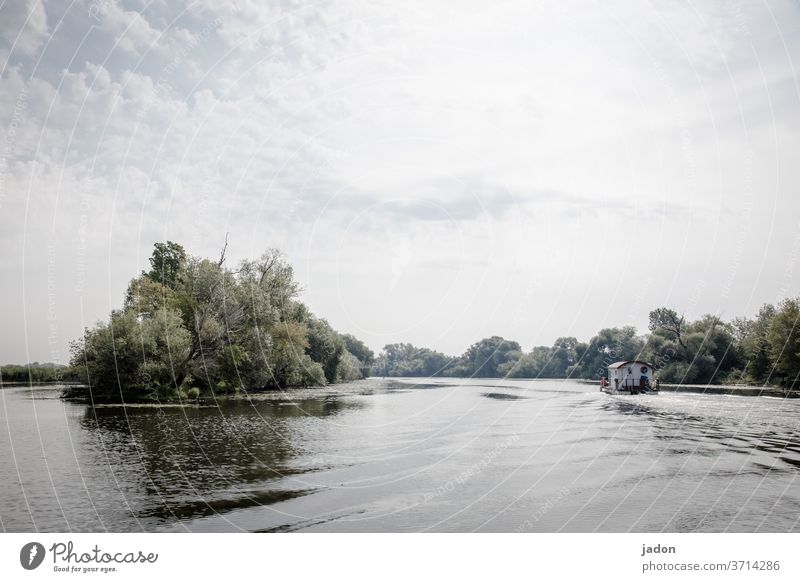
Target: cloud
{"x":482,"y":141}
{"x":23,"y":26}
{"x":130,"y":28}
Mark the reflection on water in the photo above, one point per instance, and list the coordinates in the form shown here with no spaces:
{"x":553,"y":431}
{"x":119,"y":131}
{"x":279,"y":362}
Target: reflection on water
{"x":493,"y":455}
{"x":207,"y":460}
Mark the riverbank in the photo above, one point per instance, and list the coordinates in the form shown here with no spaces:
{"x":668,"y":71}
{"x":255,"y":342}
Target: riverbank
{"x":79,"y":392}
{"x":370,"y":386}
{"x":36,"y":384}
{"x":772,"y":391}
{"x":724,"y":389}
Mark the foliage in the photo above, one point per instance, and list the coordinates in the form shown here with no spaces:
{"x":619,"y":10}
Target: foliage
{"x":764,"y":350}
{"x":324,"y":346}
{"x":350,"y":368}
{"x":132,"y":357}
{"x":668,"y":322}
{"x":783,"y":342}
{"x":483,"y":358}
{"x":167,"y":263}
{"x":607,"y":346}
{"x":36,"y":373}
{"x":146,"y":296}
{"x":751,"y":337}
{"x":404,"y":359}
{"x":192,"y":326}
{"x":360,"y":351}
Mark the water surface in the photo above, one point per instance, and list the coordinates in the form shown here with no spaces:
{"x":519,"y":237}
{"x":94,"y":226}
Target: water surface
{"x":388,"y":455}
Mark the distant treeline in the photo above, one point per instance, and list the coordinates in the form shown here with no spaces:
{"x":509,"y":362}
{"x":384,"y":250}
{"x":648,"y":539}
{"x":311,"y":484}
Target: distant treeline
{"x":193,"y":327}
{"x":764,"y":350}
{"x":37,"y":373}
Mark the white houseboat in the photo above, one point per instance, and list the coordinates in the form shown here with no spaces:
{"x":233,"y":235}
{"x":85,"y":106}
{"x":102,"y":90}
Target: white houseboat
{"x":630,"y":377}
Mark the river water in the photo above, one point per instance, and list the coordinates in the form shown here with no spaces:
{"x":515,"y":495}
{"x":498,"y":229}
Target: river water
{"x":400,"y":455}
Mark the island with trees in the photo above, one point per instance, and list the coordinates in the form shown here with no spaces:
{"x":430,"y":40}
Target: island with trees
{"x":192,"y":327}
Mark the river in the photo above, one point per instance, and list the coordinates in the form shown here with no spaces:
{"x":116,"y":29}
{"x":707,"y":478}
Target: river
{"x":400,"y":455}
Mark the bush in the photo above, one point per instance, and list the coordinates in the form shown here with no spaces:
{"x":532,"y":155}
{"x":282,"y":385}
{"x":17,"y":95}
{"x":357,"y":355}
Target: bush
{"x":134,"y":358}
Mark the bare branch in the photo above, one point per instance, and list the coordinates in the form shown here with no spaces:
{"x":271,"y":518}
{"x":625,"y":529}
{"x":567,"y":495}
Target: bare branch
{"x":222,"y":254}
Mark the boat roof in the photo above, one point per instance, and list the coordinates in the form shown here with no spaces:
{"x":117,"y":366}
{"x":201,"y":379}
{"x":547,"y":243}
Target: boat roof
{"x":619,"y":364}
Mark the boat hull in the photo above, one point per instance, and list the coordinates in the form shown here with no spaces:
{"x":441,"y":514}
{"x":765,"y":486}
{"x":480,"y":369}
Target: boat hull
{"x":634,"y":392}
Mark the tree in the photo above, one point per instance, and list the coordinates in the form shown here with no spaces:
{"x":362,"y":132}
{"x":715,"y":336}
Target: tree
{"x":166,"y":263}
{"x":270,"y":282}
{"x":484,"y":358}
{"x":751,"y":338}
{"x":133,"y":357}
{"x":713,"y":348}
{"x":669,"y":322}
{"x":609,"y":345}
{"x":290,"y":365}
{"x":212,"y":312}
{"x":562,"y":358}
{"x":783,"y":342}
{"x":404,"y":359}
{"x":324,"y":346}
{"x":359,"y":349}
{"x":350,"y":368}
{"x":664,"y":353}
{"x":146,"y":296}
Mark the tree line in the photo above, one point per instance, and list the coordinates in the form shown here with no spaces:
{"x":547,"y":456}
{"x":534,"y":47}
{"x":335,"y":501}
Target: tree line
{"x":37,"y":373}
{"x":192,"y":327}
{"x":762,"y":350}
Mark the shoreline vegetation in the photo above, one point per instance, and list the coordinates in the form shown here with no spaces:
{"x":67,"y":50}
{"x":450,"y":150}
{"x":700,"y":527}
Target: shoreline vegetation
{"x":191,"y":329}
{"x":36,"y":373}
{"x":194,"y":328}
{"x":762,"y":353}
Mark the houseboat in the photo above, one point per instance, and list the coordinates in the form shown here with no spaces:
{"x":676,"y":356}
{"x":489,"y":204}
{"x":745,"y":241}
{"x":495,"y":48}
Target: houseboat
{"x":630,"y":377}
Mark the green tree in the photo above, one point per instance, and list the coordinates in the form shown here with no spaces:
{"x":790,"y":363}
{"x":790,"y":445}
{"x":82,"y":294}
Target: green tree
{"x":404,"y":359}
{"x":146,"y":296}
{"x":668,"y":322}
{"x":213,"y":314}
{"x":325,"y":346}
{"x":713,"y":349}
{"x":783,"y":342}
{"x":166,"y":263}
{"x":609,"y":345}
{"x":751,"y":337}
{"x":484,"y":358}
{"x":350,"y":368}
{"x":134,"y":357}
{"x":359,"y":349}
{"x":290,"y":365}
{"x":562,"y":358}
{"x":700,"y":352}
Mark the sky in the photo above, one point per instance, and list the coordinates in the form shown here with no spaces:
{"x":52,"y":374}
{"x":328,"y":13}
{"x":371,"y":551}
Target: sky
{"x":436,"y":171}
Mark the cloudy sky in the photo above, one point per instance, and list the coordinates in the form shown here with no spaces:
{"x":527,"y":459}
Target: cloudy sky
{"x":437,"y":171}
